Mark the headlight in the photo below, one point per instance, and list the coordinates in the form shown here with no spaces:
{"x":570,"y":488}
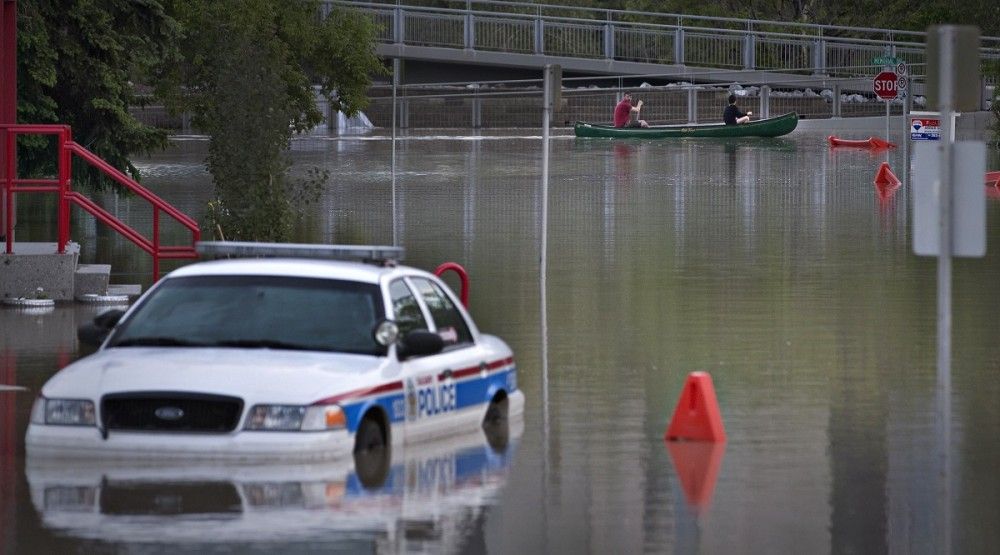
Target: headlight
{"x":63,"y":412}
{"x":293,"y":418}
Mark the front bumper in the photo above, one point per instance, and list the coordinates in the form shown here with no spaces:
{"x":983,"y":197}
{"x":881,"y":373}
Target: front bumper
{"x":47,"y":441}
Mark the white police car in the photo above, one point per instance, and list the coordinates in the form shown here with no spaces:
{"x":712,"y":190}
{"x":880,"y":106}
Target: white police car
{"x":277,"y":358}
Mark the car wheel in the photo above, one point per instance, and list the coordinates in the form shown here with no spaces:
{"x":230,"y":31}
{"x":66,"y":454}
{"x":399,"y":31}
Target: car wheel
{"x":369,"y":435}
{"x":371,"y":454}
{"x":495,"y":425}
{"x":496,"y":412}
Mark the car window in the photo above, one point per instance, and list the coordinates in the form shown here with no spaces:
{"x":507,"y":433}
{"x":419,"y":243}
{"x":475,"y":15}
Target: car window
{"x":448,"y":320}
{"x":257,"y":311}
{"x":409,"y":317}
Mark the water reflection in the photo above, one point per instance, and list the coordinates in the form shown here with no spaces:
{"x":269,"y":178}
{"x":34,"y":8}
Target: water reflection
{"x":419,"y":497}
{"x":696,"y":464}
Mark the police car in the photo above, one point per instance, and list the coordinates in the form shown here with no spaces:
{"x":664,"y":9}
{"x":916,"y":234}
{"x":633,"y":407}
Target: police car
{"x":277,"y":352}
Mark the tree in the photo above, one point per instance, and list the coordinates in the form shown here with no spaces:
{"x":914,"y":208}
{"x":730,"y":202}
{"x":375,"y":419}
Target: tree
{"x":77,"y":62}
{"x":246,"y":75}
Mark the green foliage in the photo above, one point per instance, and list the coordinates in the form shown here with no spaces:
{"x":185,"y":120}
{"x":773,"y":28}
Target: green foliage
{"x":77,"y":62}
{"x":246,"y":76}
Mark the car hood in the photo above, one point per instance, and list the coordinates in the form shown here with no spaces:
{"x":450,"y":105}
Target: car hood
{"x":277,"y":376}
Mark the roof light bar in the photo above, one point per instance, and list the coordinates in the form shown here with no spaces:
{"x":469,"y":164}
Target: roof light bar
{"x":236,"y":249}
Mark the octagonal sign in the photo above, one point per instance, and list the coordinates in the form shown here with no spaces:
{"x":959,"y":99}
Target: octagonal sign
{"x":886,"y":85}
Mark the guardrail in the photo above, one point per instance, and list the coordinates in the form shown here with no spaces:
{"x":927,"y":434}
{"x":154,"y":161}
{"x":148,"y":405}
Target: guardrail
{"x":65,"y":150}
{"x":647,"y":37}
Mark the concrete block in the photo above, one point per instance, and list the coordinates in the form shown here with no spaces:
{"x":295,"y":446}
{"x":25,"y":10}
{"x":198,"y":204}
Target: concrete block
{"x":38,"y":265}
{"x":91,"y":279}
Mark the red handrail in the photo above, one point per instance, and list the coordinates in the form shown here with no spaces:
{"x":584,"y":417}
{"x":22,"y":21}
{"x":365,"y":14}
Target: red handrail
{"x":66,"y":149}
{"x":463,"y":276}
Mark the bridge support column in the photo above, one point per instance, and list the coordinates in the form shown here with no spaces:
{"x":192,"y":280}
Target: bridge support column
{"x":836,"y":102}
{"x":398,"y":26}
{"x":470,"y":32}
{"x":749,"y":51}
{"x":609,"y":41}
{"x":539,"y":36}
{"x":819,"y":57}
{"x":765,"y":102}
{"x":693,"y":105}
{"x":679,"y":46}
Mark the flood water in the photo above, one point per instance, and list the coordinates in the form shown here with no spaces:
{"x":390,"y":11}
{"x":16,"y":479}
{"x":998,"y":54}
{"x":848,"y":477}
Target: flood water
{"x":774,"y":265}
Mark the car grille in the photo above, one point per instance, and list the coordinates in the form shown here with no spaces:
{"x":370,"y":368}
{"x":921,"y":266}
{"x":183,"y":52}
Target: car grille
{"x":170,"y":412}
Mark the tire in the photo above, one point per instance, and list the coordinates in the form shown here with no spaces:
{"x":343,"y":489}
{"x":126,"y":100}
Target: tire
{"x":496,"y":412}
{"x":369,"y":435}
{"x":371,"y":454}
{"x":495,"y":425}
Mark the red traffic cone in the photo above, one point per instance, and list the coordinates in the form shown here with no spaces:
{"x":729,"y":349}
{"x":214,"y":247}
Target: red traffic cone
{"x":884,"y":177}
{"x":697,"y":416}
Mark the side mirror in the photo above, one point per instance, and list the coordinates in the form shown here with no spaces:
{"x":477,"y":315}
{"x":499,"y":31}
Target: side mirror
{"x":420,"y":343}
{"x":96,"y":332}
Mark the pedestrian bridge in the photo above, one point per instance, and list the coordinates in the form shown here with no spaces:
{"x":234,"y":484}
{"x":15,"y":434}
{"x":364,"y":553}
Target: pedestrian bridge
{"x":588,"y":41}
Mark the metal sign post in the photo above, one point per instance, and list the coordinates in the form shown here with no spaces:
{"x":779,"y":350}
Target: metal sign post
{"x":550,"y":100}
{"x":952,"y":81}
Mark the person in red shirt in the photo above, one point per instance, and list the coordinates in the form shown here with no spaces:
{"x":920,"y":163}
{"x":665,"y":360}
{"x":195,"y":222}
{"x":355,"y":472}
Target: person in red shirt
{"x":624,"y":113}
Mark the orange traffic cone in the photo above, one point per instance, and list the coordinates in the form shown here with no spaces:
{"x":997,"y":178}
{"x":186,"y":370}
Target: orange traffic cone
{"x":884,"y":177}
{"x":697,"y":416}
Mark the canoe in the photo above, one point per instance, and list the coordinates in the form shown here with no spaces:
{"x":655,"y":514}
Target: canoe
{"x":870,"y":142}
{"x":771,"y":127}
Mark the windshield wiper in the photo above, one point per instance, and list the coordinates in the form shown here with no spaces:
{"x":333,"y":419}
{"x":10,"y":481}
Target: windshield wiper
{"x":264,"y":344}
{"x":163,"y":341}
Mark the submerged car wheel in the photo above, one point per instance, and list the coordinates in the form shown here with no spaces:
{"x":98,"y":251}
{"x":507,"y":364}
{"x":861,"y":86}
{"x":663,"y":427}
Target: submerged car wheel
{"x":371,"y":453}
{"x":495,"y":424}
{"x":369,"y":435}
{"x":496,"y":412}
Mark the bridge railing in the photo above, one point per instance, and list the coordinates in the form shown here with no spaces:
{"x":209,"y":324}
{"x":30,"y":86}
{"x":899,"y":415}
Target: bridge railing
{"x":518,"y":104}
{"x":521,"y":28}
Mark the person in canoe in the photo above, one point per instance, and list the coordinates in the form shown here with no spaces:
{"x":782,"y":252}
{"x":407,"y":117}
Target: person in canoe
{"x":733,"y":115}
{"x":627,"y":114}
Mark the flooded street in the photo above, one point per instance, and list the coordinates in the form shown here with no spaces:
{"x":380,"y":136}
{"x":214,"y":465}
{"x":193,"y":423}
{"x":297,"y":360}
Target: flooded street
{"x":774,"y":265}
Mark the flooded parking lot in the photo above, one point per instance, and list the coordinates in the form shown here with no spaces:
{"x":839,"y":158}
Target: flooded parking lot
{"x":774,"y":265}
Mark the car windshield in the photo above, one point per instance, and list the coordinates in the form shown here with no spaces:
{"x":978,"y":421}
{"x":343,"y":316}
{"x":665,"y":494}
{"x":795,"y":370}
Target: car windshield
{"x":257,"y":312}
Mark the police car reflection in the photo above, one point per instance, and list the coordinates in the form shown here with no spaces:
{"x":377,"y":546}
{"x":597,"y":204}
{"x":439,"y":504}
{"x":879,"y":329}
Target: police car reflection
{"x":428,"y":495}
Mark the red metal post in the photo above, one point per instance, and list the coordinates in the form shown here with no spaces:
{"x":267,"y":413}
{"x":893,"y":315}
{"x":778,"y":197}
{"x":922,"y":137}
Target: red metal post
{"x":8,"y":110}
{"x":156,"y":244}
{"x":10,"y":142}
{"x":65,"y":159}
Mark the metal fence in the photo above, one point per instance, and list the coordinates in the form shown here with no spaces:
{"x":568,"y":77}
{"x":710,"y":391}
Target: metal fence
{"x":647,"y":37}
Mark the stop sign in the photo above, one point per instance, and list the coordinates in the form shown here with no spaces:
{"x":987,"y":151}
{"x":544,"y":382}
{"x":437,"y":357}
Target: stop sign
{"x":884,"y":85}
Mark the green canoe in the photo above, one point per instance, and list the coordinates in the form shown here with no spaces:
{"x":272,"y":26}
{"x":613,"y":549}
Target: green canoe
{"x":771,"y":127}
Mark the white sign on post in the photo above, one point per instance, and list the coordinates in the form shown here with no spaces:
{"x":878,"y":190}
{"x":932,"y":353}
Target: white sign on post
{"x":968,"y":208}
{"x":924,"y":128}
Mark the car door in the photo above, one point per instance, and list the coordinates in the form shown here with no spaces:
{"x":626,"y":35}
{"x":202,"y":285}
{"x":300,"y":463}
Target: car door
{"x":435,"y":405}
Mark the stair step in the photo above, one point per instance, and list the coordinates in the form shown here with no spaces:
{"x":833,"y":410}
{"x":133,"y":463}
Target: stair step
{"x":131,"y":290}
